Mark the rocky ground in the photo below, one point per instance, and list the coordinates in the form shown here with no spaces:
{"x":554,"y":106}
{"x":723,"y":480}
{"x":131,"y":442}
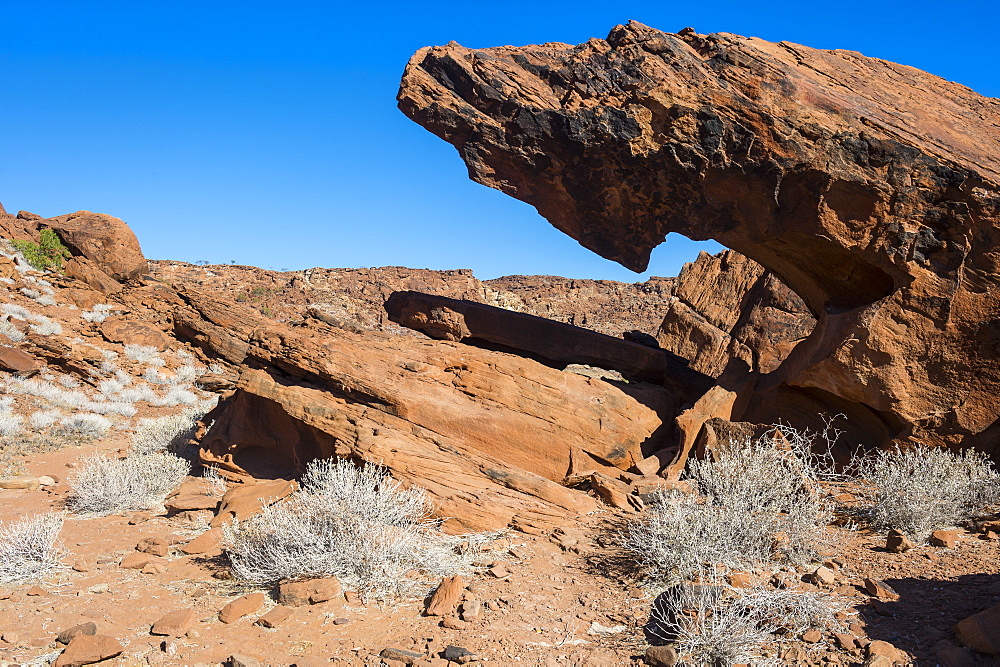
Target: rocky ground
{"x":157,"y":589}
{"x":562,"y":598}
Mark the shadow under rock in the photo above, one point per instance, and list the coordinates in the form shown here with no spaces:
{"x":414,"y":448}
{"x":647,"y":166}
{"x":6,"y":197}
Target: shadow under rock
{"x":921,"y":621}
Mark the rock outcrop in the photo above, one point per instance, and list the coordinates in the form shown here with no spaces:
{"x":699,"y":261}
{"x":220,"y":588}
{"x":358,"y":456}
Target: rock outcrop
{"x":490,"y":435}
{"x":869,"y":188}
{"x":727,"y":306}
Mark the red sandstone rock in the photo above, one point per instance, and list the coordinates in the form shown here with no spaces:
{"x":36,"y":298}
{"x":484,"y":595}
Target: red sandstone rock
{"x":132,"y":332}
{"x":103,"y":239}
{"x":981,"y":632}
{"x":174,"y":623}
{"x":446,"y":597}
{"x":85,"y":649}
{"x":867,"y":187}
{"x":89,"y":272}
{"x":240,"y":607}
{"x":312,"y":591}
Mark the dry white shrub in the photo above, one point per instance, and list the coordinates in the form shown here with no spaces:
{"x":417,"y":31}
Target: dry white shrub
{"x":170,"y":433}
{"x":756,"y":504}
{"x":217,"y":482}
{"x":141,"y":353}
{"x":711,"y":624}
{"x":14,"y":310}
{"x":47,"y":327}
{"x":357,"y":524}
{"x":137,"y":482}
{"x":85,"y":425}
{"x":10,"y":424}
{"x":29,"y":548}
{"x":921,"y":489}
{"x":12,"y":332}
{"x":44,"y":418}
{"x":98,"y":313}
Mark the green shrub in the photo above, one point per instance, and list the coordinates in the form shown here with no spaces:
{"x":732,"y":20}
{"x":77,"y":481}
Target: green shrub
{"x":49,"y":253}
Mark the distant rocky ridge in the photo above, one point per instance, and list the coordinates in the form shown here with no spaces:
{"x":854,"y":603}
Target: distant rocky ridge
{"x":354,"y":297}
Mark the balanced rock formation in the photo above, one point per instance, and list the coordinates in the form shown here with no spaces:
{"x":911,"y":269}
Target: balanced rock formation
{"x":869,"y":188}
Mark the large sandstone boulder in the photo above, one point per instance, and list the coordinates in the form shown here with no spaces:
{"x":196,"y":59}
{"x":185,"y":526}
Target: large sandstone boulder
{"x":869,"y":188}
{"x":103,"y":239}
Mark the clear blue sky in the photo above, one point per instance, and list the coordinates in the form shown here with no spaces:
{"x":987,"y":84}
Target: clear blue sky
{"x":267,"y":133}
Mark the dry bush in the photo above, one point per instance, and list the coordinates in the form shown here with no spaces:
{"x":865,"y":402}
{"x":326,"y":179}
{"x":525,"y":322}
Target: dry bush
{"x":756,"y":504}
{"x":357,"y":524}
{"x":921,"y":489}
{"x":137,"y":482}
{"x":141,"y":353}
{"x":88,"y":426}
{"x":29,"y":548}
{"x":10,"y":424}
{"x":711,"y":624}
{"x":171,"y":433}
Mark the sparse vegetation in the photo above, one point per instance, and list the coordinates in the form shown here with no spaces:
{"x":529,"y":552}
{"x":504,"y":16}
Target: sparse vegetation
{"x":29,"y":547}
{"x":711,"y":624}
{"x":755,"y":504}
{"x":357,"y":524}
{"x":48,"y":254}
{"x":85,"y":425}
{"x":137,"y":482}
{"x":141,"y":353}
{"x":170,"y":433}
{"x":98,"y":313}
{"x":920,"y":489}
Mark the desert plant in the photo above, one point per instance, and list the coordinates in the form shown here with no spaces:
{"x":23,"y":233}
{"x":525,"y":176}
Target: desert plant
{"x":12,"y":332}
{"x":29,"y":547}
{"x":754,"y":505}
{"x":48,"y":253}
{"x":46,"y":327}
{"x":10,"y":424}
{"x":136,"y":482}
{"x":85,"y":425}
{"x":171,"y":433}
{"x":216,"y":481}
{"x":355,"y":523}
{"x":710,"y":624}
{"x":98,"y":313}
{"x":141,"y":353}
{"x":44,"y":418}
{"x":920,"y":489}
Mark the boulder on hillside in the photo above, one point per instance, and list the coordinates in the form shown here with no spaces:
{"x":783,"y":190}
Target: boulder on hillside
{"x":103,"y":239}
{"x":868,"y":188}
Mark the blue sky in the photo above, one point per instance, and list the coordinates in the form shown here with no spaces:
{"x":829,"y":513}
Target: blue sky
{"x":267,"y":133}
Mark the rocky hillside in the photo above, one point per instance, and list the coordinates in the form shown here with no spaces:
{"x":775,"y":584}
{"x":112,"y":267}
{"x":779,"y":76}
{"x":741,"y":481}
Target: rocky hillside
{"x":354,"y":297}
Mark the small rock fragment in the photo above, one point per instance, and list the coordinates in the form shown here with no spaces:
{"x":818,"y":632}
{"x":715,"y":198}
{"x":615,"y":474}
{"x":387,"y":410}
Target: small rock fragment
{"x":446,"y":597}
{"x":174,"y":623}
{"x":87,"y":649}
{"x":944,"y":538}
{"x":879,"y":589}
{"x":402,"y":655}
{"x":88,"y":628}
{"x":240,"y":607}
{"x":239,"y":660}
{"x":897,"y":542}
{"x":275,"y":617}
{"x":661,"y":656}
{"x":312,"y":591}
